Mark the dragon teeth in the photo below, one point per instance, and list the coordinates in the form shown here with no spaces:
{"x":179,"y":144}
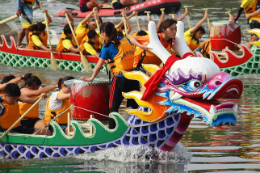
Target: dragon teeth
{"x":176,"y":96}
{"x":232,"y":89}
{"x":213,"y":109}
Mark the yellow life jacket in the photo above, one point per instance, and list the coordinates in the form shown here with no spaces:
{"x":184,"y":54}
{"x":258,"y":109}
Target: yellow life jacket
{"x":10,"y":116}
{"x":252,"y":9}
{"x":95,"y":46}
{"x":34,"y":113}
{"x":82,"y":35}
{"x":124,"y":58}
{"x":42,"y":37}
{"x":50,"y":114}
{"x":150,"y":58}
{"x":60,"y":47}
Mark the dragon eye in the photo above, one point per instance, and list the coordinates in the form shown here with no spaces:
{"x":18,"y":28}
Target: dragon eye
{"x":192,"y":85}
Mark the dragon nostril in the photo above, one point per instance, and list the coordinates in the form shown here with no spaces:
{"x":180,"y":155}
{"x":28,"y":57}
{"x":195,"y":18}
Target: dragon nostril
{"x":218,"y":83}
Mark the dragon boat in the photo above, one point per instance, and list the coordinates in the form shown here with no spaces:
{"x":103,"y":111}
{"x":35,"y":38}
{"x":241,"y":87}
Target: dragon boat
{"x":189,"y":89}
{"x":170,"y":6}
{"x":12,"y":56}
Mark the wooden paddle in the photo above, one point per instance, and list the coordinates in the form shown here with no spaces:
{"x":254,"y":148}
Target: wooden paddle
{"x":126,"y":30}
{"x":188,"y":17}
{"x":53,"y":61}
{"x":137,"y":21}
{"x":14,"y":17}
{"x":84,"y":60}
{"x":206,"y":10}
{"x":97,"y":22}
{"x":228,"y":12}
{"x":17,"y":121}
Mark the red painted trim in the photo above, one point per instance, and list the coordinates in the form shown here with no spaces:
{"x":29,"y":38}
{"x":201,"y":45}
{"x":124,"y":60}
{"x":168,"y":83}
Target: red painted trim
{"x":112,"y":91}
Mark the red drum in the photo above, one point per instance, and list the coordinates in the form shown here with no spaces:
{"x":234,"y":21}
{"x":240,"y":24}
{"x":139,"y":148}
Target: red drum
{"x":224,"y":35}
{"x":89,"y":98}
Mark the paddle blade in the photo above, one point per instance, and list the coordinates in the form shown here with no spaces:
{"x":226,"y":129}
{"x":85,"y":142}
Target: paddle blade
{"x":53,"y":63}
{"x":85,"y":63}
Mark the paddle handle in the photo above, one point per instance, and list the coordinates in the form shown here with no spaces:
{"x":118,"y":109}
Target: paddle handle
{"x":17,"y":121}
{"x":188,"y":17}
{"x":47,"y":28}
{"x":126,"y":30}
{"x":137,"y":21}
{"x":206,"y":10}
{"x":95,"y":13}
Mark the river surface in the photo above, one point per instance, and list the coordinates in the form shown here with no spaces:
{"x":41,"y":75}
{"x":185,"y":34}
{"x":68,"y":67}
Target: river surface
{"x":202,"y":148}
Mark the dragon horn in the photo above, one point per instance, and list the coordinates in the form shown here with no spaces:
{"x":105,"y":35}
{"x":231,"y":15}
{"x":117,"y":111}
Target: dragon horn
{"x":180,"y":45}
{"x":155,"y":44}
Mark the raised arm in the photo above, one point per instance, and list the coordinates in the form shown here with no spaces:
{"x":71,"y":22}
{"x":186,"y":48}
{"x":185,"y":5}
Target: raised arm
{"x":194,"y":29}
{"x":160,"y":21}
{"x":70,"y":17}
{"x":182,"y":16}
{"x":48,"y":16}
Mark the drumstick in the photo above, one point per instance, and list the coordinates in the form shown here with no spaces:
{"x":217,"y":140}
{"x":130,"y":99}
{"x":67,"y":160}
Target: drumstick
{"x":188,"y":17}
{"x":228,"y":12}
{"x":206,"y":10}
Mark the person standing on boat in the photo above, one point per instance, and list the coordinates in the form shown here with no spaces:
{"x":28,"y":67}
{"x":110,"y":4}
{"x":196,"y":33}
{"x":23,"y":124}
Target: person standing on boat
{"x":120,"y":54}
{"x":9,"y":110}
{"x":90,"y":44}
{"x":166,"y":34}
{"x":67,"y":43}
{"x":252,"y":10}
{"x":25,"y":12}
{"x":38,"y":36}
{"x":117,"y":4}
{"x":88,"y":5}
{"x":193,"y":35}
{"x":58,"y":105}
{"x":31,"y":90}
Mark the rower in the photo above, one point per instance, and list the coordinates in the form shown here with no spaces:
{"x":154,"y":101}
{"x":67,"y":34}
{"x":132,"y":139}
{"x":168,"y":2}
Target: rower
{"x":88,"y":5}
{"x":90,"y":45}
{"x":193,"y":35}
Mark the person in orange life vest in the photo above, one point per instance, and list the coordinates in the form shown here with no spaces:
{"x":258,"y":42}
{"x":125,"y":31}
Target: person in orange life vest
{"x":85,"y":26}
{"x":120,"y":54}
{"x":9,"y":79}
{"x":31,"y":89}
{"x":117,"y":4}
{"x":87,"y":5}
{"x":92,"y":46}
{"x":166,"y":34}
{"x":193,"y":35}
{"x":57,"y":103}
{"x":25,"y":11}
{"x":204,"y":48}
{"x":9,"y":110}
{"x":38,"y":36}
{"x":252,"y":10}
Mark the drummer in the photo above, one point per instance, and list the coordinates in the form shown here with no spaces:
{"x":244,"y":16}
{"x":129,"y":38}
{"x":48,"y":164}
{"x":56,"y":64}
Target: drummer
{"x":193,"y":35}
{"x":252,"y":10}
{"x":120,"y":54}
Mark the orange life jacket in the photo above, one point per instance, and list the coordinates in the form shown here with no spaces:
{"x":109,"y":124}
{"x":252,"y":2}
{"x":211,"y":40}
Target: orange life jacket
{"x":10,"y":116}
{"x":60,"y":47}
{"x":205,"y":48}
{"x":150,"y":58}
{"x":193,"y":46}
{"x":252,"y":9}
{"x":124,"y":58}
{"x":2,"y":92}
{"x":42,"y":37}
{"x":50,"y":114}
{"x":34,"y":113}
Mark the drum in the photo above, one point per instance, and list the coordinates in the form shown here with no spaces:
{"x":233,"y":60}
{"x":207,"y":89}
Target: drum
{"x":90,"y":98}
{"x":224,"y":35}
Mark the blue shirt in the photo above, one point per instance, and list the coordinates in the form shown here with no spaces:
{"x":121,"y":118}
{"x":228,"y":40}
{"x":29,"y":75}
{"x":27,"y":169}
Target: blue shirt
{"x":20,"y":4}
{"x":110,"y":52}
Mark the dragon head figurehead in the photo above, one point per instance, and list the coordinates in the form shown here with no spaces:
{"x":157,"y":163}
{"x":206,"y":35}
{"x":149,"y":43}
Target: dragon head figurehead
{"x":190,"y":87}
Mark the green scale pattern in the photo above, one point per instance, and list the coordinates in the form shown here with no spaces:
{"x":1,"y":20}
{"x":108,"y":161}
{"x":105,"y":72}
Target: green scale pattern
{"x":252,"y":66}
{"x":14,"y":60}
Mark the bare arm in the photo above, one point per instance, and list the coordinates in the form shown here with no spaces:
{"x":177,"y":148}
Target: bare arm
{"x":44,"y":48}
{"x":29,"y":100}
{"x":48,"y":16}
{"x":142,"y":46}
{"x":194,"y":29}
{"x":160,"y":21}
{"x":63,"y":96}
{"x":86,"y":19}
{"x":255,"y":13}
{"x":70,"y":17}
{"x":27,"y":92}
{"x":182,"y":16}
{"x":73,"y":49}
{"x":15,"y":80}
{"x":96,"y":70}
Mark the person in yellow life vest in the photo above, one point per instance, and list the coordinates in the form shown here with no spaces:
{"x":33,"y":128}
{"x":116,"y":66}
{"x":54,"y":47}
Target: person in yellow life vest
{"x":25,"y":11}
{"x":9,"y":111}
{"x":252,"y":10}
{"x":58,"y":105}
{"x":92,"y":46}
{"x":85,"y":26}
{"x":204,"y":48}
{"x":166,"y":34}
{"x":9,"y":79}
{"x":38,"y":36}
{"x":193,"y":35}
{"x":120,"y":54}
{"x":31,"y":90}
{"x":117,"y":4}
